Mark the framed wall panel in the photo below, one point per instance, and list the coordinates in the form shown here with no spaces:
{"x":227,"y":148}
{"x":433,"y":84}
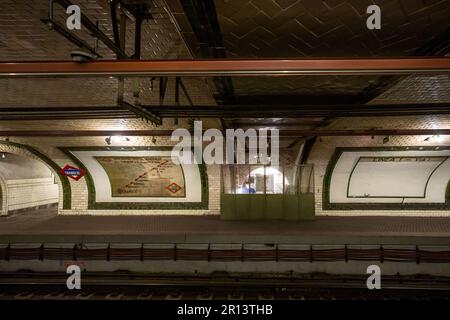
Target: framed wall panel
{"x":140,"y":178}
{"x":388,"y":179}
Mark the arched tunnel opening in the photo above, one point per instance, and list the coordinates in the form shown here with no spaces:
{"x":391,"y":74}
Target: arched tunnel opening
{"x":27,"y":185}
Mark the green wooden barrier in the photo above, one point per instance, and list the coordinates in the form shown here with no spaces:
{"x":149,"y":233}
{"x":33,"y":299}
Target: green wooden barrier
{"x":267,"y":207}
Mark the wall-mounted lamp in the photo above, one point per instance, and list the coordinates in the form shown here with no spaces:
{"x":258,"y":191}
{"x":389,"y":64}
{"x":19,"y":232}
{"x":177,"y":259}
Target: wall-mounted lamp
{"x":117,"y":139}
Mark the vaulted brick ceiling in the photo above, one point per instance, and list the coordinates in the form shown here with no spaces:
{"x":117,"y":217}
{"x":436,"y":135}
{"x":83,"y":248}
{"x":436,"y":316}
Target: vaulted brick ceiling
{"x":313,"y":28}
{"x":247,"y":29}
{"x":330,"y":28}
{"x":24,"y":37}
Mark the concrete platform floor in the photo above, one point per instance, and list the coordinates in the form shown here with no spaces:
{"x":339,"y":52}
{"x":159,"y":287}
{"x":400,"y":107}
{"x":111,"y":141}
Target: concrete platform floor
{"x":46,"y":226}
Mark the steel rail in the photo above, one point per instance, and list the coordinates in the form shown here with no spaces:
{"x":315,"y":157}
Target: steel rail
{"x":127,"y":279}
{"x":228,"y":67}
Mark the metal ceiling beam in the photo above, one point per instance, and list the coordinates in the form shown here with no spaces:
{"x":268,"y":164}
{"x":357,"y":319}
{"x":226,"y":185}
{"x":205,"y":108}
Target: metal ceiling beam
{"x":231,"y":111}
{"x":282,"y":133}
{"x":274,"y":123}
{"x":300,"y":111}
{"x":228,"y":67}
{"x":66,"y":113}
{"x":114,"y":22}
{"x":293,"y":98}
{"x":202,"y":16}
{"x":140,"y":11}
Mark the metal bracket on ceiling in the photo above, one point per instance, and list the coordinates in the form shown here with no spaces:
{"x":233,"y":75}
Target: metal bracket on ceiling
{"x":307,"y":148}
{"x":186,"y":94}
{"x":143,"y":113}
{"x":138,"y":12}
{"x":114,"y":22}
{"x":162,"y":89}
{"x":62,"y":30}
{"x":94,"y":31}
{"x":179,"y":84}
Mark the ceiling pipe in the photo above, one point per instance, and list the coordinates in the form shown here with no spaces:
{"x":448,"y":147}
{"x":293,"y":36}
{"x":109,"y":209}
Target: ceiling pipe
{"x":228,"y":67}
{"x":230,"y":111}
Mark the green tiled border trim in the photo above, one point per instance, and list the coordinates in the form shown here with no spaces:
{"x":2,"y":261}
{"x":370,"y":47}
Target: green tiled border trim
{"x":67,"y":192}
{"x":1,"y":199}
{"x":92,"y":204}
{"x":378,"y":206}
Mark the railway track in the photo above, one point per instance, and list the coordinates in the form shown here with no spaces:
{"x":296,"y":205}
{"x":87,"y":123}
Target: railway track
{"x":125,"y":286}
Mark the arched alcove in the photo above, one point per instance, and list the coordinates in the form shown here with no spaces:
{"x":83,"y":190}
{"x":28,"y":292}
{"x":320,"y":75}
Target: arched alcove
{"x":27,"y":183}
{"x":27,"y":162}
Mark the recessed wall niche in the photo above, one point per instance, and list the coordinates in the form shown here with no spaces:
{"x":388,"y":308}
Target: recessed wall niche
{"x":388,"y":179}
{"x":140,"y":178}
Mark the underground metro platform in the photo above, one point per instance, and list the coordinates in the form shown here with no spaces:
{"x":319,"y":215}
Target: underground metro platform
{"x":317,"y":147}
